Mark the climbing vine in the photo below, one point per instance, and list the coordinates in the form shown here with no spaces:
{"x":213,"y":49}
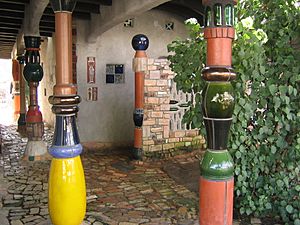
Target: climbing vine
{"x":265,"y":133}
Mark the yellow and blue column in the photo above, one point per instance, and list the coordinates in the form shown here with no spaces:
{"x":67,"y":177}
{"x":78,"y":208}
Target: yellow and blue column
{"x":67,"y":190}
{"x":217,"y":168}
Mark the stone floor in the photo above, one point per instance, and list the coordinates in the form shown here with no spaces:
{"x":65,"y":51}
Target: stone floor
{"x":119,"y":191}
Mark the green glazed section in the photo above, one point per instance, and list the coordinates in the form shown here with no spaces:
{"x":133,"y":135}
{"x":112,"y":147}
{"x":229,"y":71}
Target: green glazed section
{"x":217,"y":165}
{"x":33,"y":72}
{"x":218,"y":100}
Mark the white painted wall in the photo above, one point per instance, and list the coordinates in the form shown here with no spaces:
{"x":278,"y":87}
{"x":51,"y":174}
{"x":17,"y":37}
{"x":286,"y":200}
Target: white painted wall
{"x":110,"y":118}
{"x":45,"y":88}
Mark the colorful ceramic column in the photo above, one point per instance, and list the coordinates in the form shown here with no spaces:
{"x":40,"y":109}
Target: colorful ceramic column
{"x":33,"y":73}
{"x":22,"y":117}
{"x":16,"y":87}
{"x":216,"y":181}
{"x":67,"y":192}
{"x":140,"y":44}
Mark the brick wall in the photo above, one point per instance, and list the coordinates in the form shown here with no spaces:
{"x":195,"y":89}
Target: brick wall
{"x":160,"y":137}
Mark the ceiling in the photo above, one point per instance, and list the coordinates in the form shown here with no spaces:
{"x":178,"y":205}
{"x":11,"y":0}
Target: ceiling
{"x":12,"y":15}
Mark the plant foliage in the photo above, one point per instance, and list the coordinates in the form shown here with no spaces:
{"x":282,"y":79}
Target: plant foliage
{"x":265,"y":137}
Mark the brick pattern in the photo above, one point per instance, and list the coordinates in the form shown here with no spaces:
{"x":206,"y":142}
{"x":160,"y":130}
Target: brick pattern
{"x":163,"y":133}
{"x":178,"y":107}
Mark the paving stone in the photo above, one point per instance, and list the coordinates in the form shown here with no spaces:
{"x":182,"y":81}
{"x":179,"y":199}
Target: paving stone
{"x":34,"y":211}
{"x":255,"y":221}
{"x":12,"y":203}
{"x":127,"y":223}
{"x":30,"y":218}
{"x":119,"y":192}
{"x":97,"y":223}
{"x":16,"y":222}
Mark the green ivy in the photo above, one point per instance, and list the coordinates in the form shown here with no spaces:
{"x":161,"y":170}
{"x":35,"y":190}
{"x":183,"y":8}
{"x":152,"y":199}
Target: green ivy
{"x":265,"y":139}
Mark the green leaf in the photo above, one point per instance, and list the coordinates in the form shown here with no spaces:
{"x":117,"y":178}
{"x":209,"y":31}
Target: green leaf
{"x":273,"y":149}
{"x":268,"y":206}
{"x":289,"y":208}
{"x":273,"y":89}
{"x":238,"y":155}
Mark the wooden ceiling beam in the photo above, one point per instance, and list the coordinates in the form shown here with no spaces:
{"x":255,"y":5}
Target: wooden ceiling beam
{"x":45,"y":34}
{"x":82,"y":15}
{"x":46,"y":18}
{"x":10,"y":20}
{"x":87,"y":7}
{"x":12,"y":7}
{"x":9,"y":31}
{"x":47,"y":24}
{"x":7,"y":35}
{"x":16,"y":1}
{"x":47,"y":29}
{"x":101,"y":2}
{"x":6,"y":41}
{"x":5,"y":45}
{"x":11,"y":14}
{"x":10,"y":26}
{"x":48,"y":11}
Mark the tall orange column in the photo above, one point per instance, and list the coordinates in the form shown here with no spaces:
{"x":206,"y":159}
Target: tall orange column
{"x":22,"y":117}
{"x":67,"y":191}
{"x":217,"y":170}
{"x":16,"y":87}
{"x":140,"y":44}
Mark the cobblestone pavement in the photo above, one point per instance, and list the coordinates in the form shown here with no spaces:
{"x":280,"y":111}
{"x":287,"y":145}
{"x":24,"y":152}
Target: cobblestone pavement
{"x":119,"y":191}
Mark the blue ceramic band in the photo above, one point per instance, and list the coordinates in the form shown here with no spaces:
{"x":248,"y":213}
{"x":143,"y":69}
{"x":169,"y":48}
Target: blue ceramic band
{"x":62,"y":152}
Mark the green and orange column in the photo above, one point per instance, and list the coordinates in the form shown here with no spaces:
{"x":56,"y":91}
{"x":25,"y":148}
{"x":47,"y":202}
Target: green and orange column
{"x":22,"y":116}
{"x":67,"y":190}
{"x":140,"y":43}
{"x":36,"y":148}
{"x":217,"y":168}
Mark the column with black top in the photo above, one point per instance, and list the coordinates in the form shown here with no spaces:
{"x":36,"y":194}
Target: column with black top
{"x":140,"y":43}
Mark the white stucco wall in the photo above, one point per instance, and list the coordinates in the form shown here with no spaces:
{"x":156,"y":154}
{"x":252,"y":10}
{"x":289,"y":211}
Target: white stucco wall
{"x":45,"y":88}
{"x":110,"y":118}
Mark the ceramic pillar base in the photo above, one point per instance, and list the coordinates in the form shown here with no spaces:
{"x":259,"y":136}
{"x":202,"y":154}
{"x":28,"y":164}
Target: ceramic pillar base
{"x":216,"y":201}
{"x":67,"y":192}
{"x":137,"y":153}
{"x":35,"y":151}
{"x":22,"y":124}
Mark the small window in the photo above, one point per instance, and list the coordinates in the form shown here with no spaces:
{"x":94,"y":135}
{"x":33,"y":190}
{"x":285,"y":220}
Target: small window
{"x":208,"y":17}
{"x":218,"y":14}
{"x":169,"y":26}
{"x":229,"y":17}
{"x":129,"y":23}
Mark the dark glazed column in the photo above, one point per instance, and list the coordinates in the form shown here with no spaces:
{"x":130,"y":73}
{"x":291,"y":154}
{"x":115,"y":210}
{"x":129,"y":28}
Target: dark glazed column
{"x":22,"y":117}
{"x":33,"y":73}
{"x":140,"y":44}
{"x":216,"y":181}
{"x":67,"y":192}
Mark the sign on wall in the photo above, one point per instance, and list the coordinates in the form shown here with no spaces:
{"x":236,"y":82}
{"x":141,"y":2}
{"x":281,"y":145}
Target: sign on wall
{"x":91,"y":70}
{"x":92,"y":93}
